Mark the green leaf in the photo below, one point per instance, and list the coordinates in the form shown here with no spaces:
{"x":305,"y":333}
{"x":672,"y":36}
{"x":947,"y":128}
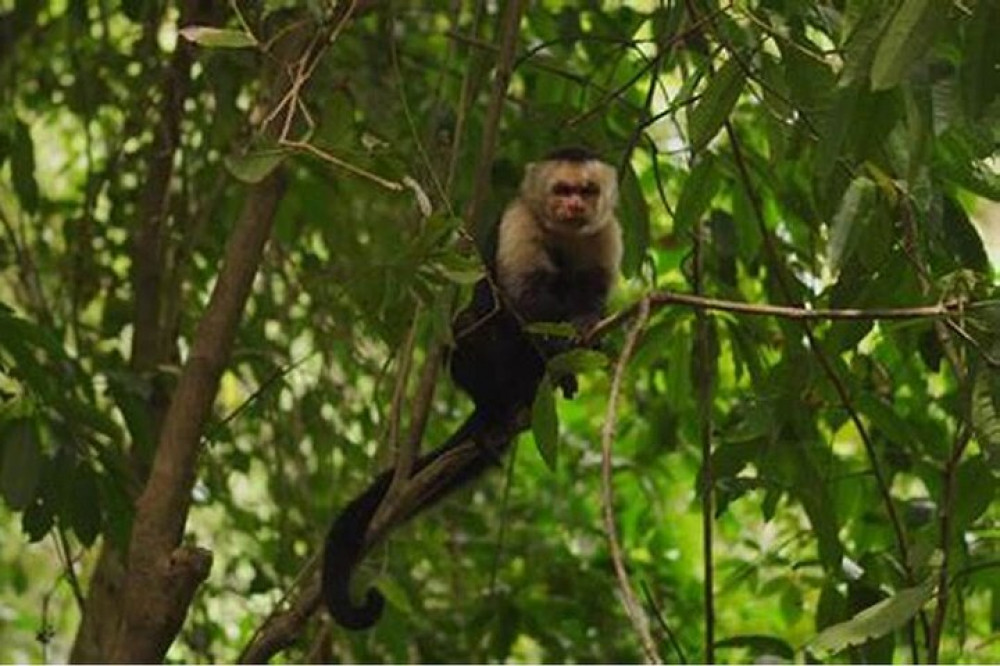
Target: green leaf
{"x":545,"y":423}
{"x":699,"y":188}
{"x":37,"y":520}
{"x":715,"y":104}
{"x":22,"y":166}
{"x":896,"y":429}
{"x":836,"y":123}
{"x":855,"y":211}
{"x":217,"y":38}
{"x":980,"y":68}
{"x":810,"y":487}
{"x":961,"y":155}
{"x":863,"y":42}
{"x":85,"y":509}
{"x":962,"y":238}
{"x":634,"y":215}
{"x":975,"y":488}
{"x":396,"y":595}
{"x":577,"y":361}
{"x":906,"y":41}
{"x":255,"y":167}
{"x":460,"y":269}
{"x":873,"y":622}
{"x":21,"y":463}
{"x":986,"y":420}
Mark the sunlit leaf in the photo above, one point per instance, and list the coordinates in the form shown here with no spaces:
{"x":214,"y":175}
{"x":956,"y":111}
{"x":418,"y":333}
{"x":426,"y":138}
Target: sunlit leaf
{"x":577,"y":361}
{"x":715,"y":104}
{"x":699,"y":188}
{"x":255,"y":167}
{"x":217,"y":38}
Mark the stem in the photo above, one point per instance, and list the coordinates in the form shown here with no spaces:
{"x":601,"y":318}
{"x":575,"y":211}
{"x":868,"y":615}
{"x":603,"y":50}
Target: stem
{"x":632,"y":607}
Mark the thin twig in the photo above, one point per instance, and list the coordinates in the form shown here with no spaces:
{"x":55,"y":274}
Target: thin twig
{"x":664,"y":298}
{"x":945,"y":526}
{"x":704,"y":389}
{"x":407,"y":453}
{"x":509,"y":31}
{"x":347,"y":166}
{"x":65,"y":554}
{"x":662,"y":621}
{"x":421,"y":404}
{"x":502,"y":531}
{"x":632,"y":606}
{"x":464,"y":103}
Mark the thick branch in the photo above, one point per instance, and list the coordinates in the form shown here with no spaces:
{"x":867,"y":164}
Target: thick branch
{"x":282,"y":629}
{"x":157,"y":593}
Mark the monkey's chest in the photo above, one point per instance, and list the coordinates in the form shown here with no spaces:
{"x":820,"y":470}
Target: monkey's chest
{"x":573,"y":272}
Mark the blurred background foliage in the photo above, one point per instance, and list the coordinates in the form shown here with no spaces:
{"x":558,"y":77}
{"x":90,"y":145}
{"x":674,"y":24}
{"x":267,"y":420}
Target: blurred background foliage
{"x":836,"y":154}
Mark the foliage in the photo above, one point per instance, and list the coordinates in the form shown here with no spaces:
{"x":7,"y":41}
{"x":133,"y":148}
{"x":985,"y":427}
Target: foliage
{"x":824,"y":155}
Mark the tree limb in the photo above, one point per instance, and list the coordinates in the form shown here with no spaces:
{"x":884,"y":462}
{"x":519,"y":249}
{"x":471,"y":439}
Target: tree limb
{"x":632,"y":606}
{"x":162,"y":578}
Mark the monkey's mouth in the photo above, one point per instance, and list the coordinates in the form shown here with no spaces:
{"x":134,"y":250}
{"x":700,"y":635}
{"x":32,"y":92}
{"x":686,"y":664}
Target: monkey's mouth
{"x":572,"y":220}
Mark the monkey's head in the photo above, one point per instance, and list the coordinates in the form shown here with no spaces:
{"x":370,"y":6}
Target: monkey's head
{"x":571,"y":191}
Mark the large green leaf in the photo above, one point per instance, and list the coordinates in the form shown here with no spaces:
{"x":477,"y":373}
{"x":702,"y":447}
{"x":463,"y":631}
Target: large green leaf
{"x":22,"y":167}
{"x":255,"y":167}
{"x":20,"y":462}
{"x":980,"y":68}
{"x":715,"y":104}
{"x":975,"y":487}
{"x":856,"y":211}
{"x":699,"y":188}
{"x":873,"y":622}
{"x":217,"y":38}
{"x":906,"y":41}
{"x":986,"y":419}
{"x":545,"y":423}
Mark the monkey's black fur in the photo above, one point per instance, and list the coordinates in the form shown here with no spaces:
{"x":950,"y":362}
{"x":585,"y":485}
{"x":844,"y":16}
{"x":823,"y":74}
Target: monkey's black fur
{"x":499,"y":366}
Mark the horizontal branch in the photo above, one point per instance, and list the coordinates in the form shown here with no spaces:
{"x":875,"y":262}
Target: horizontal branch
{"x":662,"y":298}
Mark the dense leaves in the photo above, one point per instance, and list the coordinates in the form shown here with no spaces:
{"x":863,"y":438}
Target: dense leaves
{"x":837,"y":155}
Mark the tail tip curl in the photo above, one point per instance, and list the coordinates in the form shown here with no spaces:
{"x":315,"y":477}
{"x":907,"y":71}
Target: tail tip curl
{"x":352,"y":616}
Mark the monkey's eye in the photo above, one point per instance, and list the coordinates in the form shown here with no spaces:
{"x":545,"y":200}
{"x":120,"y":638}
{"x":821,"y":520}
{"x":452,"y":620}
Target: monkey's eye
{"x":586,"y":190}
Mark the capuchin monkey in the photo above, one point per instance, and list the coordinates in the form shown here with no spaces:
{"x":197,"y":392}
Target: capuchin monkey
{"x":558,"y":253}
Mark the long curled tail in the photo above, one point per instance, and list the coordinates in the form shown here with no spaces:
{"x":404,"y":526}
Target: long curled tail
{"x":345,"y":543}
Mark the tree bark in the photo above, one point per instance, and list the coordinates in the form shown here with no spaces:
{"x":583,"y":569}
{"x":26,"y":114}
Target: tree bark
{"x":153,"y":340}
{"x":162,"y":575}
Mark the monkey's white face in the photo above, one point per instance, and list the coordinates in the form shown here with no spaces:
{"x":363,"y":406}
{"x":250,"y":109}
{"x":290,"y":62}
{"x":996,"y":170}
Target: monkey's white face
{"x":572,"y":202}
{"x":571,"y":197}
